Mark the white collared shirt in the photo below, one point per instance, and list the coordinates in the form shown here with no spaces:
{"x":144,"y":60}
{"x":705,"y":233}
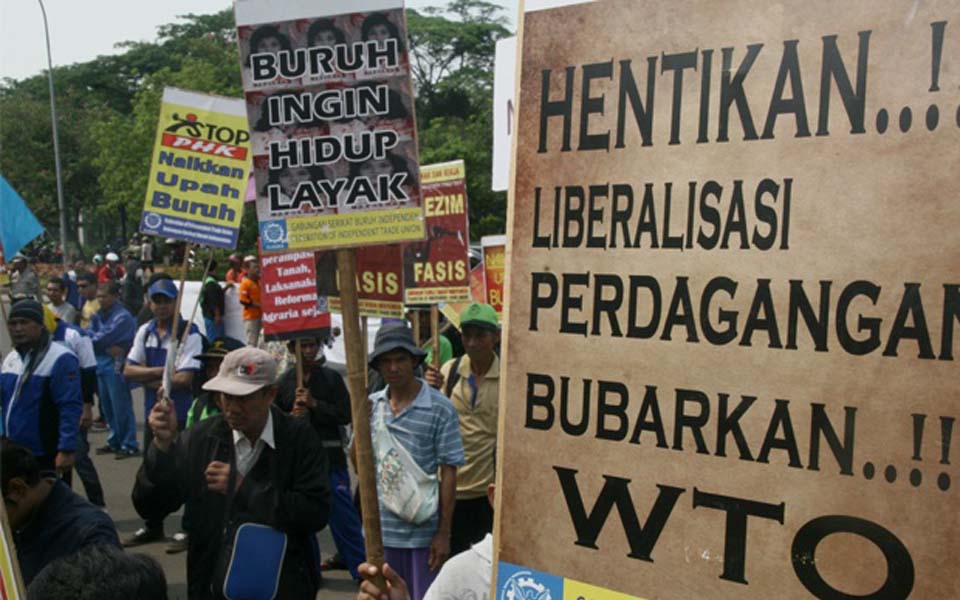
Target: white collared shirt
{"x":247,"y":453}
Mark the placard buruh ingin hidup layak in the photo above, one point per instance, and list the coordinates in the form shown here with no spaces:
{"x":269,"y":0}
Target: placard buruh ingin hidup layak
{"x":733,"y":305}
{"x":198,"y":172}
{"x":330,"y":105}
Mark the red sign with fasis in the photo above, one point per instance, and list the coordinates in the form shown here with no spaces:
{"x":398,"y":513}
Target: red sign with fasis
{"x":379,"y":280}
{"x":438,"y":269}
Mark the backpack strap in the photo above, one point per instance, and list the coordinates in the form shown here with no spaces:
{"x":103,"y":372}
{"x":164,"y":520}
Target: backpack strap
{"x":454,"y":376}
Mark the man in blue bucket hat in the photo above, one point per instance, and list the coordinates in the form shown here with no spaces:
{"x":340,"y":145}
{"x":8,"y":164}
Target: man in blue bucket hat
{"x":411,"y":414}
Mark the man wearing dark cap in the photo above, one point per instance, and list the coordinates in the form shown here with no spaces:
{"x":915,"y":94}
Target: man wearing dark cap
{"x":472,"y":382}
{"x":205,"y":404}
{"x":421,"y":420}
{"x":145,"y":365}
{"x":40,"y":390}
{"x":249,"y":464}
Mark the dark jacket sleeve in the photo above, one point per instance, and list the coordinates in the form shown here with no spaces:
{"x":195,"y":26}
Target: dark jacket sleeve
{"x":286,"y":390}
{"x":88,"y":384}
{"x":303,"y":508}
{"x":334,"y":408}
{"x":161,"y":484}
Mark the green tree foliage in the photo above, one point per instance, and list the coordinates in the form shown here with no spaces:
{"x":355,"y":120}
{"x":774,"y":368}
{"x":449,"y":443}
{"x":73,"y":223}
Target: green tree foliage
{"x":108,"y":107}
{"x":453,"y":52}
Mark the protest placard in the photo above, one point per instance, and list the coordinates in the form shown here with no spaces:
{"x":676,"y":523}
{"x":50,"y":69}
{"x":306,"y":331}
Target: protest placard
{"x":379,"y":280}
{"x":291,"y":306}
{"x":198,"y":172}
{"x":330,"y":105}
{"x":494,"y":254}
{"x":733,"y":314}
{"x":452,"y":310}
{"x":11,"y":581}
{"x":438,"y":269}
{"x":504,"y":96}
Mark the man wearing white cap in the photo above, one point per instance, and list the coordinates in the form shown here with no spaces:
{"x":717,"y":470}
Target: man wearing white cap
{"x":249,"y":464}
{"x":112,"y":271}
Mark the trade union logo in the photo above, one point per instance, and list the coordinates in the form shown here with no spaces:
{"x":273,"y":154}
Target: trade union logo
{"x":274,"y":233}
{"x":152,"y":221}
{"x":522,"y":585}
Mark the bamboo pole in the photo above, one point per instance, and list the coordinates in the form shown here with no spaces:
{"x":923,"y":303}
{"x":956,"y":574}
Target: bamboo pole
{"x":435,"y":334}
{"x":365,"y":337}
{"x":360,"y":410}
{"x":193,"y":314}
{"x":415,"y":324}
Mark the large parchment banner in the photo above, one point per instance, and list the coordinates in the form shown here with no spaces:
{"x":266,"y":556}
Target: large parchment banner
{"x":733,"y":306}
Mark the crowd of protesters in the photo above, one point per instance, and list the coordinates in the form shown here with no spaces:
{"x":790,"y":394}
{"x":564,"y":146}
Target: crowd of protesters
{"x":257,"y":456}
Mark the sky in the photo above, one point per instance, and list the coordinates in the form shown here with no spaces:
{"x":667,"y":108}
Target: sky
{"x":81,"y":30}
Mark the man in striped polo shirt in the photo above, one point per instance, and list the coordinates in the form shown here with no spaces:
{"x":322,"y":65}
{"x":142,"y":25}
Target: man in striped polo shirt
{"x":425,"y":424}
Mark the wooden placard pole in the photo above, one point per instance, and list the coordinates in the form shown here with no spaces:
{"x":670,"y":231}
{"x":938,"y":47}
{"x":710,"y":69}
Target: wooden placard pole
{"x":169,"y":366}
{"x":299,"y":359}
{"x":435,"y":334}
{"x":193,"y":314}
{"x":360,"y":409}
{"x":415,"y":324}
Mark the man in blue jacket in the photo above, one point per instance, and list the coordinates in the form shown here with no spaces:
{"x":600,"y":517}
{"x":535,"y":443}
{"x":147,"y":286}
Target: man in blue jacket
{"x":112,"y":330}
{"x":79,"y":343}
{"x":40,"y":390}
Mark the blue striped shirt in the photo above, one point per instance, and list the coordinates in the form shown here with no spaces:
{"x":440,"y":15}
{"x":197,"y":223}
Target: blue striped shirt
{"x":428,"y":428}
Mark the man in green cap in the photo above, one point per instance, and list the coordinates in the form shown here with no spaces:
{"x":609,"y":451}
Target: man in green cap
{"x":472,"y":383}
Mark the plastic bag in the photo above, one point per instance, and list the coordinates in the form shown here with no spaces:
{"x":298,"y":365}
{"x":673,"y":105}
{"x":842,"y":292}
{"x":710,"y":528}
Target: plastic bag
{"x":404,"y":488}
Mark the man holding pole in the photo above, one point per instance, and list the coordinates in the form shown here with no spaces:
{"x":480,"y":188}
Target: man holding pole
{"x":472,"y":383}
{"x":410,"y":413}
{"x":251,"y":464}
{"x":318,"y":394}
{"x":145,"y":365}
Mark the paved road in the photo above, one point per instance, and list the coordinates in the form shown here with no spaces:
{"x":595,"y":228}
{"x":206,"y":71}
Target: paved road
{"x":118,"y":476}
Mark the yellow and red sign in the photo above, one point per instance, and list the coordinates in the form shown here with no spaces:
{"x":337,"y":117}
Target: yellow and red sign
{"x":198,"y":173}
{"x":438,"y":269}
{"x":494,"y":251}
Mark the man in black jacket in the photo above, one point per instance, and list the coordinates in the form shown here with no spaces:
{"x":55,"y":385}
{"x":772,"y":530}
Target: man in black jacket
{"x":250,"y":464}
{"x":325,"y":402}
